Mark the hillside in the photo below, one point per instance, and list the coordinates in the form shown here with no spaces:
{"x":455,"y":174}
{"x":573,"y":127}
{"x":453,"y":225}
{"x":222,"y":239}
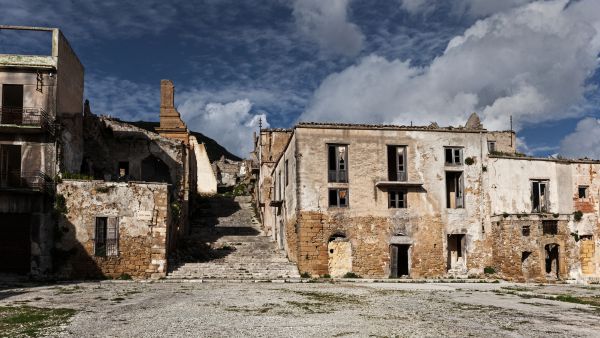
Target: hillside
{"x":213,"y":148}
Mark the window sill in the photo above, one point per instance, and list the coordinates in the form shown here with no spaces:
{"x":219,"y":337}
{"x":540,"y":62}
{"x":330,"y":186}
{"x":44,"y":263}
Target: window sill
{"x":391,"y":184}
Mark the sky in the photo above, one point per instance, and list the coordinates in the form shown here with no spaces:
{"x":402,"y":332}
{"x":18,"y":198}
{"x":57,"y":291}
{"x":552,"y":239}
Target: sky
{"x":235,"y":62}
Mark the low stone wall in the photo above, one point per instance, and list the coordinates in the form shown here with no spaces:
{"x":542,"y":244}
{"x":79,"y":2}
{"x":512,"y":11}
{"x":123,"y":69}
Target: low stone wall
{"x":143,"y":218}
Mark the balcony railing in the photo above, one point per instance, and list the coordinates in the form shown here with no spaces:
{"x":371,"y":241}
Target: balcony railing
{"x":27,"y":117}
{"x":26,"y":180}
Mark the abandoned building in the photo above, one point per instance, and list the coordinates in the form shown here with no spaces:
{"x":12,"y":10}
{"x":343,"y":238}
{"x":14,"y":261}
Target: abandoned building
{"x":37,"y":92}
{"x":83,"y":195}
{"x":408,"y":201}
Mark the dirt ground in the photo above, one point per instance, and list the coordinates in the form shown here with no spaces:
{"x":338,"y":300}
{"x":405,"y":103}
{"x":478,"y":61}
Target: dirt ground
{"x":186,"y":309}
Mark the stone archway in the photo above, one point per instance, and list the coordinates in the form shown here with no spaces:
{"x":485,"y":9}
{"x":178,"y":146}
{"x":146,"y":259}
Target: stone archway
{"x":339,"y":251}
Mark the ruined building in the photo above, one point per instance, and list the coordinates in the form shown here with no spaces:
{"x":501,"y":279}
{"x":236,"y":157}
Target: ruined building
{"x":83,"y":195}
{"x":38,"y":92}
{"x":393,"y":201}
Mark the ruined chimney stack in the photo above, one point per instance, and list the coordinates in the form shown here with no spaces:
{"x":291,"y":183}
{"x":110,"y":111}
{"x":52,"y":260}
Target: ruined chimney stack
{"x":171,"y":125}
{"x":167,"y":94}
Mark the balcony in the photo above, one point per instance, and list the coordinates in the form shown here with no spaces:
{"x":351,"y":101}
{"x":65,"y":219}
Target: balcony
{"x":26,"y":181}
{"x":25,"y":119}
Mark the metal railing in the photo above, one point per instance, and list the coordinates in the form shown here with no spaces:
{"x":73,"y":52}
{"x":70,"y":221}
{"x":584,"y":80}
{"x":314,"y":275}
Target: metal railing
{"x":26,"y":180}
{"x":338,"y":176}
{"x":29,"y":117}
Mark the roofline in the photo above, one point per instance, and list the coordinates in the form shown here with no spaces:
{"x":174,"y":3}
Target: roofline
{"x":358,"y":126}
{"x":546,"y":159}
{"x":29,"y":28}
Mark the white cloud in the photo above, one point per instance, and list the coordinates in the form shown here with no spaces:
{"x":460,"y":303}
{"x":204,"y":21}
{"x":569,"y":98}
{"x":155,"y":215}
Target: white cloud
{"x":584,"y":141}
{"x":531,"y":62}
{"x":231,"y":124}
{"x":326,"y":22}
{"x":474,"y":8}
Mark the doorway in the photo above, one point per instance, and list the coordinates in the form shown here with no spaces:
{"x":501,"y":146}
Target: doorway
{"x":12,"y":104}
{"x":551,"y":252}
{"x":456,"y":252}
{"x":339,"y":251}
{"x":399,"y":260}
{"x":15,"y":243}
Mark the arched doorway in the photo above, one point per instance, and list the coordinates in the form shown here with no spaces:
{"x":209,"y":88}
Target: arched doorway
{"x":339,"y":250}
{"x":155,"y":170}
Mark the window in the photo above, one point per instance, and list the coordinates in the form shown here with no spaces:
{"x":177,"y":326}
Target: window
{"x":454,"y":156}
{"x":550,"y":227}
{"x":279,"y":194}
{"x":491,"y":146}
{"x":338,"y":163}
{"x":286,"y":172}
{"x":10,"y":165}
{"x":582,"y":191}
{"x":397,"y":199}
{"x":106,"y":240}
{"x":12,"y":104}
{"x":123,"y":169}
{"x":338,"y":198}
{"x":539,"y":196}
{"x":454,"y":190}
{"x":396,"y":163}
{"x":526,"y":230}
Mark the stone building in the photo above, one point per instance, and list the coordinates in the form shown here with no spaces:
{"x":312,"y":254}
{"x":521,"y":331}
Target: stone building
{"x":84,"y":195}
{"x":41,"y":97}
{"x":392,"y":201}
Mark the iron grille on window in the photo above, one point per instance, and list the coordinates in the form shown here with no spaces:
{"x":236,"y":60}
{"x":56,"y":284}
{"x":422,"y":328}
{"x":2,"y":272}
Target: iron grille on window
{"x":550,"y":227}
{"x":106,"y":241}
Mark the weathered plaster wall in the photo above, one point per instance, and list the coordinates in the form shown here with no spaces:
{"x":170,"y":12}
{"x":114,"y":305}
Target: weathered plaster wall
{"x":32,"y":98}
{"x":206,"y":181}
{"x":285,"y":190}
{"x":70,"y":73}
{"x":144,"y":224}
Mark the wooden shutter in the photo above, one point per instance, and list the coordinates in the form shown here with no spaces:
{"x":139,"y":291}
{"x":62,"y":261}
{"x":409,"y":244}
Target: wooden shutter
{"x":112,"y":237}
{"x":393,"y":261}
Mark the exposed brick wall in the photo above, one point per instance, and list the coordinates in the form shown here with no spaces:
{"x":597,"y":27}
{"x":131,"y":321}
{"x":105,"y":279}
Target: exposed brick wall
{"x":144,"y":220}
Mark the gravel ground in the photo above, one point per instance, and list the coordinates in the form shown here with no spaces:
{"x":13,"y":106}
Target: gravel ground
{"x":185,"y":309}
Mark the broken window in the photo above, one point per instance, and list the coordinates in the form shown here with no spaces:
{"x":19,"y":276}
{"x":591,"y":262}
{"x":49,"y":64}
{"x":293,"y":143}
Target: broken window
{"x":106,"y":240}
{"x":12,"y":104}
{"x":338,"y":163}
{"x":539,"y":196}
{"x":10,"y":165}
{"x":396,"y":163}
{"x":286,"y":172}
{"x":338,"y":198}
{"x":525,"y":255}
{"x":491,"y":146}
{"x":123,"y":169}
{"x":454,"y":156}
{"x":549,"y":227}
{"x":582,"y":191}
{"x":397,"y":199}
{"x":454,"y":189}
{"x":526,"y":230}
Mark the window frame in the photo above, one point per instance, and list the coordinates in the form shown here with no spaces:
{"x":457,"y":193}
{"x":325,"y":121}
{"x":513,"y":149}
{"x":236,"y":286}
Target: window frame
{"x":103,"y":238}
{"x":543,"y":203}
{"x":585,"y":191}
{"x":393,"y":158}
{"x":336,"y":176}
{"x":459,"y":194}
{"x":491,"y":143}
{"x":397,"y":203}
{"x":455,"y":150}
{"x":338,"y":191}
{"x":286,"y":172}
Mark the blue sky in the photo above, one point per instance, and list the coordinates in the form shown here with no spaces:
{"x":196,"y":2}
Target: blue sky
{"x":376,"y":61}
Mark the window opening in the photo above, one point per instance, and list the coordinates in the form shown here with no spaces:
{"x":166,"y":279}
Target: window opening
{"x":338,"y":163}
{"x":454,"y":189}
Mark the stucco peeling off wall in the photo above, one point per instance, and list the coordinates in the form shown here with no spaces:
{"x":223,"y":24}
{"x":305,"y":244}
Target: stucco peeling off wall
{"x":142,"y":215}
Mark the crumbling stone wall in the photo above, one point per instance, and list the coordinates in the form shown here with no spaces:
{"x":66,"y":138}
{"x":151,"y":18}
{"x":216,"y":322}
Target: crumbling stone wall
{"x":522,"y":257}
{"x":144,"y":223}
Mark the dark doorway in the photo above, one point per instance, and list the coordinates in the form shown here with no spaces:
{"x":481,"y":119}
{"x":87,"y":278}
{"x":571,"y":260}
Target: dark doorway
{"x":552,"y":262}
{"x":155,"y":170}
{"x":399,"y":260}
{"x":10,"y":165}
{"x":15,"y":243}
{"x":456,"y":252}
{"x":12,"y":104}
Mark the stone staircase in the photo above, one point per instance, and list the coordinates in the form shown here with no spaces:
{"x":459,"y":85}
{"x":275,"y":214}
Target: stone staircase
{"x":226,"y":242}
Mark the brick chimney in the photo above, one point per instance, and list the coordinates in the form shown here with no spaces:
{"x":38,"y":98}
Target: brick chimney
{"x":171,"y":125}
